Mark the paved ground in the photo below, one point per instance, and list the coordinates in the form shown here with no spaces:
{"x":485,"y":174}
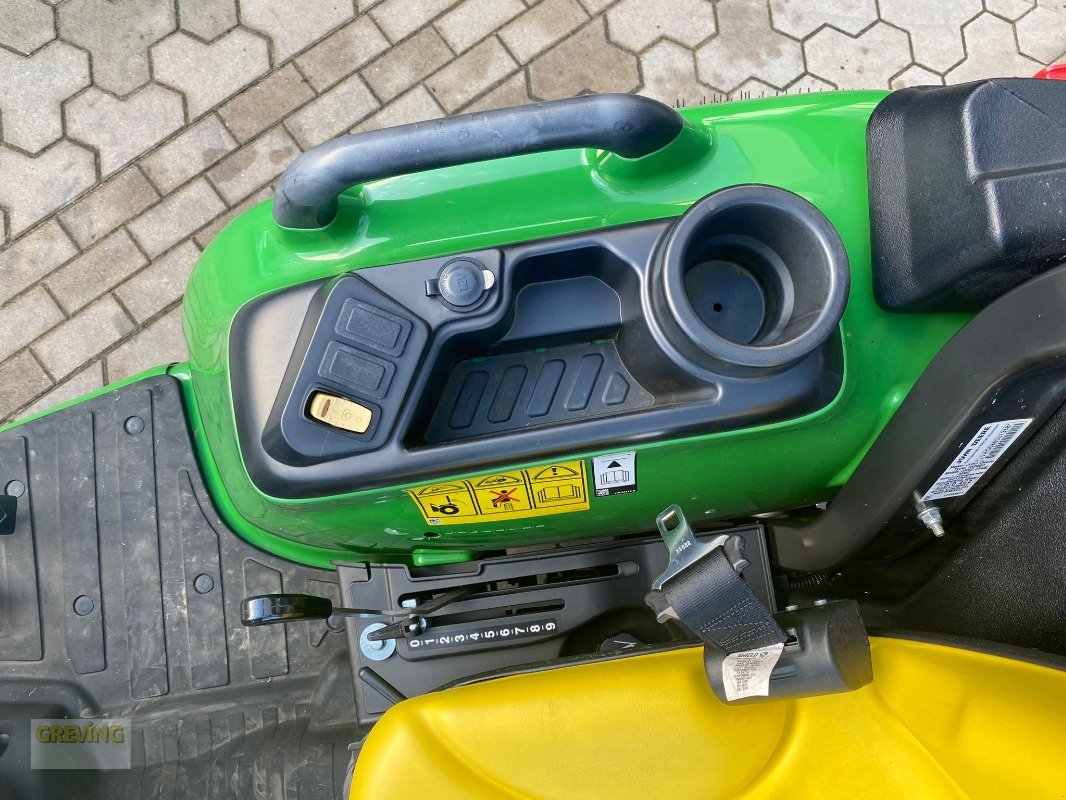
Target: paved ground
{"x":132,"y":130}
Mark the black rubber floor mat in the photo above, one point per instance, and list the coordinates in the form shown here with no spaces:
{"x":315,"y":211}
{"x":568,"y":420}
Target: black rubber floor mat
{"x":120,"y":593}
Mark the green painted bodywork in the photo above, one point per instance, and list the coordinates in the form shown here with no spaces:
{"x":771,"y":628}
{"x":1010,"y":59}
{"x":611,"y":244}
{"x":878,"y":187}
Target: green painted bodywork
{"x":813,"y":145}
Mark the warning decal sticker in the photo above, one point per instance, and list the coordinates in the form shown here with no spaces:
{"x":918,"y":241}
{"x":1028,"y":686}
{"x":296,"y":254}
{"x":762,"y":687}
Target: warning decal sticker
{"x":553,"y":489}
{"x":615,"y":474}
{"x":976,"y":458}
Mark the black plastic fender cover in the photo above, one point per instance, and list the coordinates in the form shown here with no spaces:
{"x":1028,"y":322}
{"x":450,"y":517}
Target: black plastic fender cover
{"x":967,"y":191}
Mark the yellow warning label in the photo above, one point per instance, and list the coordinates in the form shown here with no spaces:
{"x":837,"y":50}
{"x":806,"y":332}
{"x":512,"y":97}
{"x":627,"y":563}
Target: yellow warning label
{"x":554,"y":489}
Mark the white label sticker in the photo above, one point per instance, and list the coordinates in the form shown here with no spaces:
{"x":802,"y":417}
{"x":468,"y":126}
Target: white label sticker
{"x":747,"y":674}
{"x":615,"y":474}
{"x":976,"y":458}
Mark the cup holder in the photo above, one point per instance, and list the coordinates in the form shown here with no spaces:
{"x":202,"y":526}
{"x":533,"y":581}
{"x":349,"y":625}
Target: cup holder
{"x":750,"y":277}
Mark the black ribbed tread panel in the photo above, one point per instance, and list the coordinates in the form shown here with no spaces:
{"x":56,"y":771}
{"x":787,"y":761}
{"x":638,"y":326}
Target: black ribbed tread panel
{"x":217,"y":710}
{"x":546,"y":386}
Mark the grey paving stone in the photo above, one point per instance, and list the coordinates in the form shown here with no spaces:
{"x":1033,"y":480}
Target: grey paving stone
{"x":83,"y":337}
{"x":32,"y":89}
{"x":207,"y":19}
{"x":32,"y":257}
{"x":292,"y":28}
{"x":1042,"y":32}
{"x":205,"y":235}
{"x":864,"y":62}
{"x":210,"y":73}
{"x":153,"y":289}
{"x":188,"y":154}
{"x":25,"y":318}
{"x":414,"y":105}
{"x":25,"y":25}
{"x":746,"y":47}
{"x":471,"y":74}
{"x":801,"y":19}
{"x":1009,"y":9}
{"x":107,"y":206}
{"x":935,"y":28}
{"x":512,"y":92}
{"x":670,"y":75}
{"x":22,"y":379}
{"x":35,"y":186}
{"x":401,"y":18}
{"x":991,"y":50}
{"x":89,"y":379}
{"x":121,"y":130}
{"x":607,"y":68}
{"x":542,"y":26}
{"x":471,"y":21}
{"x":183,"y":212}
{"x":253,"y":165}
{"x":98,"y":269}
{"x":343,"y":52}
{"x":162,"y":342}
{"x":807,"y":83}
{"x":636,"y":24}
{"x":916,"y":76}
{"x":333,"y":113}
{"x":118,"y":33}
{"x":405,"y":65}
{"x":265,"y":103}
{"x":753,"y":89}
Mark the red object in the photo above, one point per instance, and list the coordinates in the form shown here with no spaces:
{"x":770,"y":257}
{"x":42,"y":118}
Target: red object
{"x":1053,"y":72}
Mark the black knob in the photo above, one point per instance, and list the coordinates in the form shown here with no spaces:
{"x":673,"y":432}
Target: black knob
{"x":462,"y":284}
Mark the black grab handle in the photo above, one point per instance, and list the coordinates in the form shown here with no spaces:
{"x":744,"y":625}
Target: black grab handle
{"x":628,"y":125}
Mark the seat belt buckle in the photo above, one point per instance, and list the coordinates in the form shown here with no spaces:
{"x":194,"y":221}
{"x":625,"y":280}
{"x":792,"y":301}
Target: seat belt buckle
{"x":750,"y":654}
{"x":685,"y":551}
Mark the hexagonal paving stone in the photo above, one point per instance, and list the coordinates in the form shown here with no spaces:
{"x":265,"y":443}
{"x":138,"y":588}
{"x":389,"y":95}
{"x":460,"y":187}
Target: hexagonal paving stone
{"x":207,"y":19}
{"x":604,"y":67}
{"x":635,"y":24}
{"x":1042,"y":32}
{"x":808,"y":83}
{"x":935,"y":28}
{"x":34,"y":187}
{"x":990,"y":48}
{"x":121,"y":130}
{"x":670,"y":75}
{"x":1009,"y":9}
{"x":25,"y":25}
{"x":865,"y":62}
{"x":801,"y":18}
{"x":748,"y":47}
{"x":118,"y":33}
{"x":916,"y":76}
{"x":209,"y":73}
{"x":32,"y":89}
{"x":753,"y":89}
{"x":292,"y":32}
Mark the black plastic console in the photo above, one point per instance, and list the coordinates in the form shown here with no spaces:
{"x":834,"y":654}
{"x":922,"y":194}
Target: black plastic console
{"x":722,"y":318}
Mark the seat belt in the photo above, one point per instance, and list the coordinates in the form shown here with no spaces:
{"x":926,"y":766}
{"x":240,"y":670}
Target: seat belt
{"x":702,"y":587}
{"x":747,"y":654}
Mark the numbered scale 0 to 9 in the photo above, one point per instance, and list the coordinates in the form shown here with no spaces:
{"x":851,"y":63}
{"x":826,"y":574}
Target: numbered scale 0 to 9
{"x":497,"y":634}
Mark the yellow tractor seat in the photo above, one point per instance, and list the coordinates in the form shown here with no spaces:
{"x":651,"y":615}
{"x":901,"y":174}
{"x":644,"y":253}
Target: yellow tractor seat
{"x":937,"y":722}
